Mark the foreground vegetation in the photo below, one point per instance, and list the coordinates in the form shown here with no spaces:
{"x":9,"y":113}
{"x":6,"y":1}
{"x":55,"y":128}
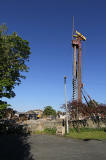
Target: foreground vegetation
{"x":84,"y":133}
{"x":88,"y":133}
{"x":51,"y":131}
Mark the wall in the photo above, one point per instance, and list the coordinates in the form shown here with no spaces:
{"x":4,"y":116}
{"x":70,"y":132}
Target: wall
{"x":89,"y":123}
{"x":40,"y":125}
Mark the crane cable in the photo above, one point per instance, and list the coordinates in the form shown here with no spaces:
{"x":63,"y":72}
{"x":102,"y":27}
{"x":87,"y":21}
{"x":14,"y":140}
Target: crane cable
{"x":83,"y":55}
{"x":90,"y":98}
{"x":73,"y":80}
{"x":72,"y":47}
{"x":85,"y":97}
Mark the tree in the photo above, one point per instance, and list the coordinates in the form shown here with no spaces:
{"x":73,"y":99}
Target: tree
{"x":3,"y":106}
{"x":49,"y":111}
{"x":14,"y":53}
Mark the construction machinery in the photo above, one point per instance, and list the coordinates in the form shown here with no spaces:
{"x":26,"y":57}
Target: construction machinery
{"x":77,"y":38}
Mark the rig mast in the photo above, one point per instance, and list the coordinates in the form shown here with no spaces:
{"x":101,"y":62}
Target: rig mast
{"x":76,"y":45}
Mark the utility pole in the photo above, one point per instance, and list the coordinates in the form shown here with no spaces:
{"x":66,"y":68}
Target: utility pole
{"x":67,"y":125}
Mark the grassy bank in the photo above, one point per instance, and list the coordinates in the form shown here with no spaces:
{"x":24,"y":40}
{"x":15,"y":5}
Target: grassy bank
{"x":84,"y":133}
{"x":87,"y":133}
{"x":51,"y":131}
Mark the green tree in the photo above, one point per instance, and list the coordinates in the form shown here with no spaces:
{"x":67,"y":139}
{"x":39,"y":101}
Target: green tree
{"x":3,"y":107}
{"x":14,"y":53}
{"x":49,"y":111}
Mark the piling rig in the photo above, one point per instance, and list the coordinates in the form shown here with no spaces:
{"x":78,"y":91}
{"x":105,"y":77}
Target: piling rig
{"x":77,"y":82}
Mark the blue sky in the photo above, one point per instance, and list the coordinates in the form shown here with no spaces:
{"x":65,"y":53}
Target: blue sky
{"x":47,"y":25}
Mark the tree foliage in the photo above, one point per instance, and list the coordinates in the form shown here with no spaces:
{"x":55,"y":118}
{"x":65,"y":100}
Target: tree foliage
{"x":86,"y":110}
{"x":3,"y":108}
{"x":49,"y":111}
{"x":14,"y":53}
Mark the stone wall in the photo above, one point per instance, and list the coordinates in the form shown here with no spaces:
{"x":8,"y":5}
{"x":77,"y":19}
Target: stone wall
{"x":40,"y":125}
{"x":89,"y":123}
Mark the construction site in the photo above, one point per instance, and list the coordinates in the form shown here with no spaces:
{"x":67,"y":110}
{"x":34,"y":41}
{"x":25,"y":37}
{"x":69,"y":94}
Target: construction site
{"x":79,"y":111}
{"x":82,"y":104}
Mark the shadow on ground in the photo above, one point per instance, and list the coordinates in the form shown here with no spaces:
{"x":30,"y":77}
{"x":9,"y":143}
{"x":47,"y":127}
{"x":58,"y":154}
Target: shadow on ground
{"x":91,"y":139}
{"x":14,"y":145}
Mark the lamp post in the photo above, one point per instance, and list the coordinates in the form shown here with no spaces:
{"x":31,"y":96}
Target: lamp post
{"x":67,"y":126}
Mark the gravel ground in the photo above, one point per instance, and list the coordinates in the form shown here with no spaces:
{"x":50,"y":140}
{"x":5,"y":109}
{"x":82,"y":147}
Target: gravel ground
{"x":48,"y":147}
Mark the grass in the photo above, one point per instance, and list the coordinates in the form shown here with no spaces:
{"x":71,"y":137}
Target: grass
{"x":51,"y":131}
{"x":88,"y":133}
{"x":85,"y":133}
